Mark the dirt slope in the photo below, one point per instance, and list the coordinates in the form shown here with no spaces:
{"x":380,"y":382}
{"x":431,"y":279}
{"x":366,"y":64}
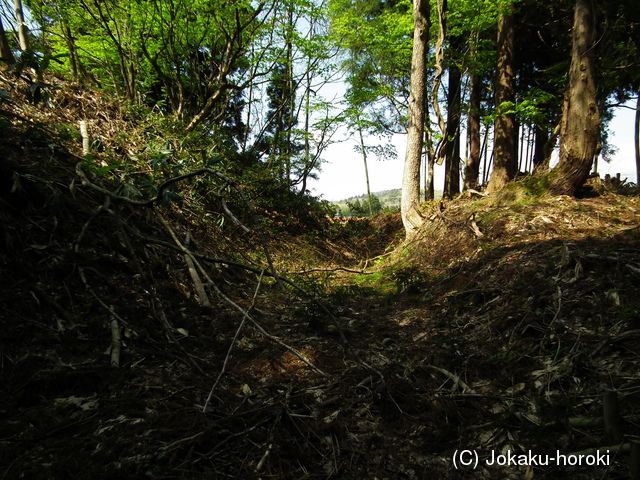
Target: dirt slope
{"x":503,"y":320}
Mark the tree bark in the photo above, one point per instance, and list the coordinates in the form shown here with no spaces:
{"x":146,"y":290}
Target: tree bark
{"x":366,"y":167}
{"x":71,"y":46}
{"x":580,"y":116}
{"x":472,"y":167}
{"x":505,"y":155}
{"x":23,"y":31}
{"x":452,"y":140}
{"x":411,"y":217}
{"x":540,"y":141}
{"x":545,"y":142}
{"x":637,"y":139}
{"x":437,"y":79}
{"x":6,"y":55}
{"x":430,"y":188}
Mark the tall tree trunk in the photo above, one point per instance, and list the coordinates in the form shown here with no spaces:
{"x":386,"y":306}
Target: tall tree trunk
{"x":637,"y":139}
{"x":291,"y":101}
{"x":366,"y":167}
{"x":505,"y":132}
{"x":437,"y":79}
{"x":452,"y":140}
{"x":73,"y":52}
{"x":429,"y":168}
{"x":546,"y":139}
{"x":306,"y":169}
{"x":540,"y":141}
{"x":411,"y":217}
{"x":429,"y":187}
{"x":23,"y":31}
{"x":580,"y":126}
{"x":6,"y":55}
{"x":472,"y":167}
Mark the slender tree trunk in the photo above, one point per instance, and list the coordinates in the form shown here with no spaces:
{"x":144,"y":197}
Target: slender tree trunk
{"x":505,"y":131}
{"x":452,"y":141}
{"x":6,"y":55}
{"x":580,"y":126}
{"x":429,"y":168}
{"x":437,"y":79}
{"x":637,"y":139}
{"x":291,"y":101}
{"x":306,"y":169}
{"x":472,"y":167}
{"x":409,"y":203}
{"x":541,"y":139}
{"x":429,"y":188}
{"x":529,"y":152}
{"x":73,"y":52}
{"x":484,"y":153}
{"x":23,"y":31}
{"x":366,"y":167}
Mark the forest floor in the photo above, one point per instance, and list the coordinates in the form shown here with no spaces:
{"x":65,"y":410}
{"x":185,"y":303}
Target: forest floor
{"x":500,"y":328}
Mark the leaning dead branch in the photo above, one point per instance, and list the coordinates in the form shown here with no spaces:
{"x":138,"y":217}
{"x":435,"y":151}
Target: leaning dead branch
{"x":228,"y":183}
{"x":203,"y":298}
{"x":617,"y":338}
{"x":471,"y":221}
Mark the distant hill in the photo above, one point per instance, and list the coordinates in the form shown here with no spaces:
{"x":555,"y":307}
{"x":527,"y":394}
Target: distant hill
{"x":389,"y":200}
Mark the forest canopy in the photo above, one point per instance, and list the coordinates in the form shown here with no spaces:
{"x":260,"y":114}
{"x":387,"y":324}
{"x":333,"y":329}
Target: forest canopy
{"x":246,"y":78}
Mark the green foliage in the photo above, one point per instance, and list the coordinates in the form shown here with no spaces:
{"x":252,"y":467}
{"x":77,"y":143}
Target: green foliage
{"x":359,"y":208}
{"x":374,"y":283}
{"x":229,"y":83}
{"x":35,"y":61}
{"x":376,"y":37}
{"x":281,"y":208}
{"x":28,"y":63}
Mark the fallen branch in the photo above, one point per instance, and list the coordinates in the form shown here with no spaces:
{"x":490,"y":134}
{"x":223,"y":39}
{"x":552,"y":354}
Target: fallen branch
{"x":329,"y":270}
{"x":470,"y":191}
{"x":617,"y":338}
{"x":633,"y":269}
{"x":116,"y":343}
{"x":266,"y":334}
{"x":474,"y":226}
{"x":257,"y":271}
{"x":233,"y":341}
{"x":156,"y":304}
{"x":110,"y":309}
{"x":76,"y":244}
{"x":457,"y":381}
{"x":203,"y":298}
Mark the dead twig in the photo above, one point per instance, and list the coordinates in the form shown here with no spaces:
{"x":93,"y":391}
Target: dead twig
{"x":471,"y":221}
{"x":266,"y":334}
{"x":228,"y":182}
{"x":156,"y":304}
{"x":203,"y":298}
{"x":110,"y":309}
{"x":116,"y":343}
{"x":457,"y":381}
{"x":233,"y":341}
{"x":329,"y":270}
{"x":617,"y":338}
